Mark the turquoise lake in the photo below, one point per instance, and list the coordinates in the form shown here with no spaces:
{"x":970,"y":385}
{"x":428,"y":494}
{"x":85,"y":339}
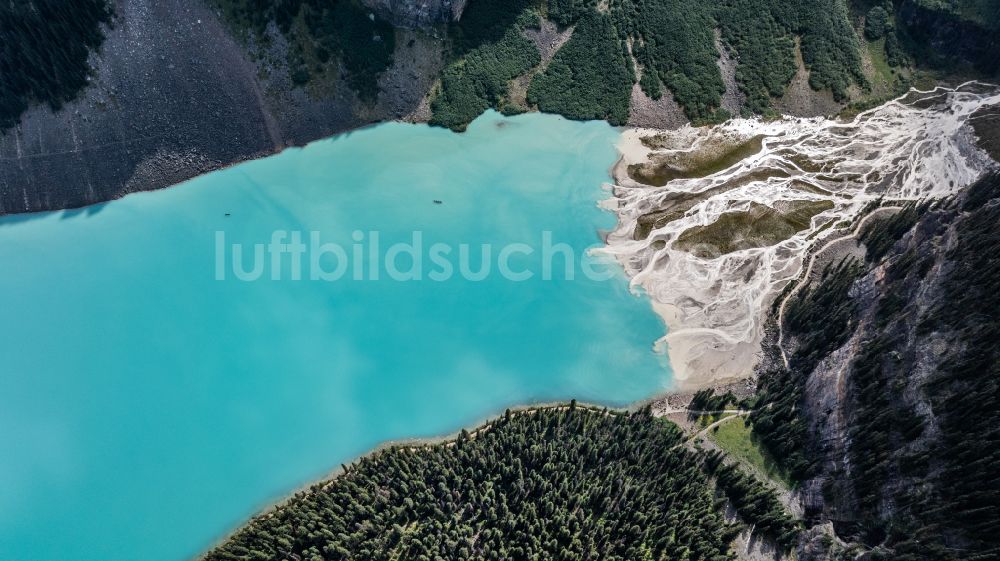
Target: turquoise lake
{"x":147,"y":409}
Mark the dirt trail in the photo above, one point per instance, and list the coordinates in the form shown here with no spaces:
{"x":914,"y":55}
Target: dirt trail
{"x":806,"y":278}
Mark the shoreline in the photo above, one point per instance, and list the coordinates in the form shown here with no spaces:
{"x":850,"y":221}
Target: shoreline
{"x":663,"y":404}
{"x":417,"y":442}
{"x":686,"y":348}
{"x":208,"y":169}
{"x":702,"y":353}
{"x":212,"y":167}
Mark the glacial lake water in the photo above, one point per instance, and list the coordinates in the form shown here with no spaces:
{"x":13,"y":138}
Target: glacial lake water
{"x":148,"y":408}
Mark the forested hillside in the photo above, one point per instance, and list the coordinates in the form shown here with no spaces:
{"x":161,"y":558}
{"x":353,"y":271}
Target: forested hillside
{"x":952,"y":34}
{"x":670,"y":46}
{"x":293,"y":71}
{"x":44,"y":45}
{"x":567,"y":483}
{"x":821,"y":319}
{"x":590,"y":77}
{"x":665,"y":45}
{"x":321,"y":34}
{"x":488,"y":51}
{"x":919,"y":418}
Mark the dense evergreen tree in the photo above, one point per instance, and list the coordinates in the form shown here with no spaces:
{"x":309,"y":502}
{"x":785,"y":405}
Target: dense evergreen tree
{"x":876,"y":23}
{"x":951,"y":511}
{"x":923,"y":432}
{"x":819,"y":318}
{"x":490,"y":50}
{"x":879,"y":235}
{"x":331,"y":32}
{"x":755,"y":502}
{"x":761,"y":32}
{"x":563,"y":484}
{"x":567,"y":12}
{"x":829,"y":45}
{"x":590,"y":77}
{"x":481,"y":79}
{"x":764,"y":49}
{"x":965,"y":392}
{"x":44,"y":51}
{"x":487,"y":21}
{"x":673,"y":41}
{"x":706,"y":400}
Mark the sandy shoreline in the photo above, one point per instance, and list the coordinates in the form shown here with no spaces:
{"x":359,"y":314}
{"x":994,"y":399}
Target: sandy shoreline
{"x":692,"y":233}
{"x":696,"y":359}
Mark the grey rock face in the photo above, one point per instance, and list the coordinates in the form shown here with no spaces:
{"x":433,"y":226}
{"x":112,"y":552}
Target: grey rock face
{"x":417,"y":13}
{"x":173,"y":95}
{"x":164,"y":88}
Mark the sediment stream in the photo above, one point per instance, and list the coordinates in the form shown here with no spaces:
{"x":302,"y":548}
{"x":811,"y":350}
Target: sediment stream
{"x":713,"y":222}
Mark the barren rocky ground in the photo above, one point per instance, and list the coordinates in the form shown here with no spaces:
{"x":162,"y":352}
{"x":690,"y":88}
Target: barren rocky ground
{"x":174,"y":95}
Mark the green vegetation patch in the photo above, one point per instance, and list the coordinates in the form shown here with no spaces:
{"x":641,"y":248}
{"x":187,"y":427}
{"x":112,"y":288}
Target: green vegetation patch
{"x":543,"y":484}
{"x":489,"y":51}
{"x":43,"y":55}
{"x":674,"y":42}
{"x":590,"y":77}
{"x":761,"y":226}
{"x":714,"y":156}
{"x":736,"y":438}
{"x":321,"y":34}
{"x":765,"y":50}
{"x":884,"y":81}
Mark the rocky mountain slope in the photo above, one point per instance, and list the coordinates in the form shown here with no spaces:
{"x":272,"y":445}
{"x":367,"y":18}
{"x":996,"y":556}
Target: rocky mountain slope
{"x":172,"y":95}
{"x":879,"y":385}
{"x":179,"y":87}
